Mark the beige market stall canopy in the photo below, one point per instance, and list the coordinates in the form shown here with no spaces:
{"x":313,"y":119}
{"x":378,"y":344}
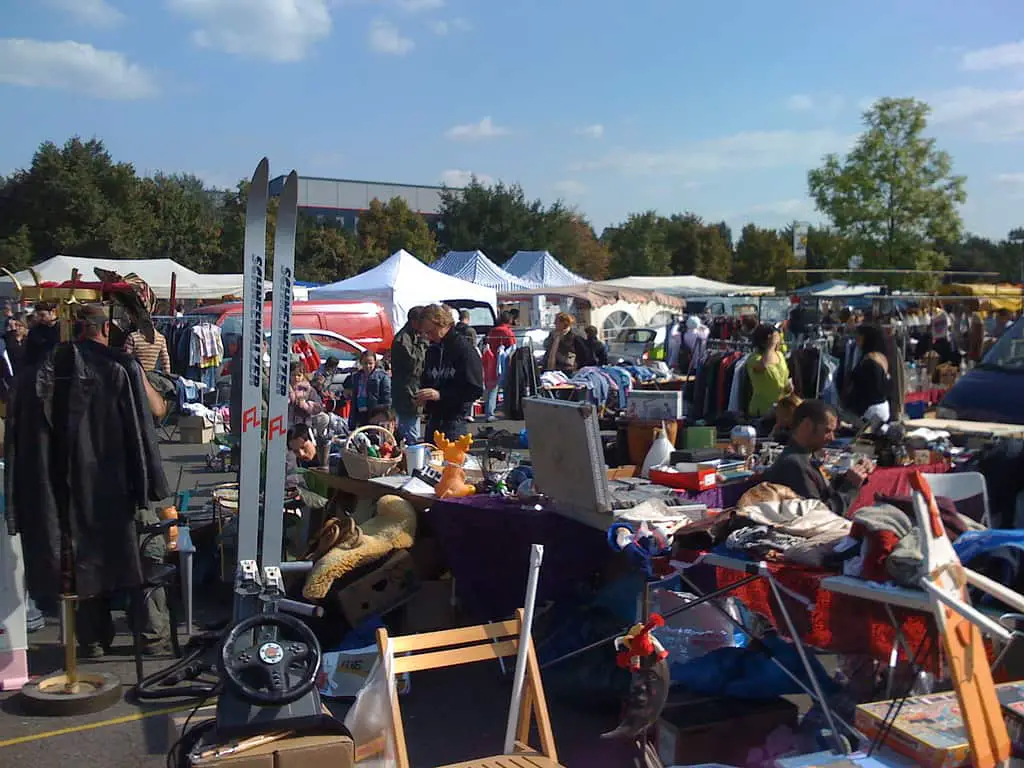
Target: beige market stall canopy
{"x":688,"y":285}
{"x":156,"y":272}
{"x":600,"y":295}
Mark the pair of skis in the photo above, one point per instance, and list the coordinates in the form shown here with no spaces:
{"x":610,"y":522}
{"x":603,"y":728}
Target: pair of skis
{"x":263,"y":512}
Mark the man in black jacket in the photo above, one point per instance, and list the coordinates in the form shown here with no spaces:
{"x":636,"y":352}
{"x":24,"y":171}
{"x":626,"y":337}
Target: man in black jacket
{"x":814,"y":427}
{"x":408,"y":351}
{"x":453,"y":376}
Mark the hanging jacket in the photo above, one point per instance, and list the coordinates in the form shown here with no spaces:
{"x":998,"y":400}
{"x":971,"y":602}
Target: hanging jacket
{"x":81,"y":446}
{"x":520,"y":382}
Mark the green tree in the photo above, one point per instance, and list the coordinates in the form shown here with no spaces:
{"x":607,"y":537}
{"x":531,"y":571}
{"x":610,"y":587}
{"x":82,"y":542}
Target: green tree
{"x":762,"y":257}
{"x":497,"y":220}
{"x":186,"y":226}
{"x":638,"y":246}
{"x":230,"y":257}
{"x":697,"y":248}
{"x":16,"y":250}
{"x":894,"y":197}
{"x":572,"y":240}
{"x":324,"y":254}
{"x":388,"y":227}
{"x":75,"y":199}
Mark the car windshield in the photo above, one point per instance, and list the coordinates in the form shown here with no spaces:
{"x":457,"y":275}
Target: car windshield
{"x":1008,"y":352}
{"x":328,"y":346}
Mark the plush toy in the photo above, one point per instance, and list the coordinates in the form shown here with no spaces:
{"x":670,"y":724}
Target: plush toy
{"x":453,"y":478}
{"x":644,"y":656}
{"x":638,"y":644}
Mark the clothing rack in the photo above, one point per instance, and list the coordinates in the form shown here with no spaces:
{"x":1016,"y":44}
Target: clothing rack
{"x":822,"y":345}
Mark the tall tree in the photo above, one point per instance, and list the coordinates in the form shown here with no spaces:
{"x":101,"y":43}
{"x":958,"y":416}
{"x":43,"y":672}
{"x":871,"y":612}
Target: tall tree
{"x":497,"y":220}
{"x":325,"y":254}
{"x":894,"y":197}
{"x":762,"y":257}
{"x":572,"y":240}
{"x":230,"y":258}
{"x":388,"y":227}
{"x":185,"y":223}
{"x":638,"y":246}
{"x":697,"y":248}
{"x":75,"y":199}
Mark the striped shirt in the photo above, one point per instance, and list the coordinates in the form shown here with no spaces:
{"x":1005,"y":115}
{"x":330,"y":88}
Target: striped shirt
{"x":149,"y":354}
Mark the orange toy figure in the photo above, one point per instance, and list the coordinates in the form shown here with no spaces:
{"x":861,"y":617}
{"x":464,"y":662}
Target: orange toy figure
{"x":453,"y":478}
{"x":638,"y":643}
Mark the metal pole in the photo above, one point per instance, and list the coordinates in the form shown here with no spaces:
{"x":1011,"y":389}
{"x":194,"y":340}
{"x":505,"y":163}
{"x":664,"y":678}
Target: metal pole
{"x":536,"y":557}
{"x":67,"y":631}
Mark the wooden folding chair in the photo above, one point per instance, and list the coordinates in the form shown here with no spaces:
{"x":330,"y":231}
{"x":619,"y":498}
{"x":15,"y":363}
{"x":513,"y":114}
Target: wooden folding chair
{"x":452,"y":647}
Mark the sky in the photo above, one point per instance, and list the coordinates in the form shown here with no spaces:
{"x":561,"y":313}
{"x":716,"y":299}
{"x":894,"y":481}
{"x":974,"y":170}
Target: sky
{"x":719,"y":108}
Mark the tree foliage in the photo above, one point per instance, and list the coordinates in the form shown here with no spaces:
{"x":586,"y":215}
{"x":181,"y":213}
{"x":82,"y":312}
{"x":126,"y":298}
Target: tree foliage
{"x":388,"y":227}
{"x":325,"y":254}
{"x":762,"y":257}
{"x":894,"y":198}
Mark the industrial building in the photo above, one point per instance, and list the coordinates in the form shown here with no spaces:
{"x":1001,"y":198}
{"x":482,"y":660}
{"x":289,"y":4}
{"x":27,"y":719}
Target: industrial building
{"x":343,"y":200}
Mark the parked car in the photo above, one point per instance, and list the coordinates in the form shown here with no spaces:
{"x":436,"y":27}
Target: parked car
{"x":635,"y":344}
{"x":481,"y":314}
{"x":362,"y":322}
{"x":326,"y":343}
{"x":992,"y":390}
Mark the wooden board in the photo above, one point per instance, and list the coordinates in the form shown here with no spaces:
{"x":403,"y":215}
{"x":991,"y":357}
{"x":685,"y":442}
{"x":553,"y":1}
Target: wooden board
{"x":968,"y":427}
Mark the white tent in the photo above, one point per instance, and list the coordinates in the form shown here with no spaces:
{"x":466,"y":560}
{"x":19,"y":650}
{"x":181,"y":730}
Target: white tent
{"x":156,"y":272}
{"x":401,"y":283}
{"x":541,"y":269}
{"x":689,"y":285}
{"x":475,"y":267}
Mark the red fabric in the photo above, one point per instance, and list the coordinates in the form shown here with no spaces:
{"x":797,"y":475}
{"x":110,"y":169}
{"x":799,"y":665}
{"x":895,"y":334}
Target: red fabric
{"x":875,"y":549}
{"x":310,"y":358}
{"x":929,"y":396}
{"x":490,"y":365}
{"x":500,"y":336}
{"x":891,"y":481}
{"x":836,"y":623}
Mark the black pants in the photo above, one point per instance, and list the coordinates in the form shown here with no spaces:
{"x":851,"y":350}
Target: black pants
{"x":450,"y":428}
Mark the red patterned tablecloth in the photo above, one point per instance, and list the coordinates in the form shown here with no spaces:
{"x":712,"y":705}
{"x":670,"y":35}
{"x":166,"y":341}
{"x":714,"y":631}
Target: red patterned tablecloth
{"x":835,"y":622}
{"x":928,"y":396}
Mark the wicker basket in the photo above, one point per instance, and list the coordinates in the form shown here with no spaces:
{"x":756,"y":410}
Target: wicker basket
{"x":362,"y":467}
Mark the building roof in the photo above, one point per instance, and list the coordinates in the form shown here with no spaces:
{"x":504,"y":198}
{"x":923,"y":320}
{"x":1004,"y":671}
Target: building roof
{"x":541,"y":269}
{"x":354,"y":195}
{"x":475,"y":267}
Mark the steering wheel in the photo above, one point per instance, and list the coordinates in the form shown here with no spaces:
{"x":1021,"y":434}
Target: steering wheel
{"x":271,"y":658}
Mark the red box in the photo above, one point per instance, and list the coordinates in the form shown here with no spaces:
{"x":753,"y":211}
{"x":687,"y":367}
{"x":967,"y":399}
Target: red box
{"x":689,"y":477}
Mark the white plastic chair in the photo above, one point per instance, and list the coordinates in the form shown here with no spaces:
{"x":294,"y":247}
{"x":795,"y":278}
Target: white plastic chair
{"x":961,"y":485}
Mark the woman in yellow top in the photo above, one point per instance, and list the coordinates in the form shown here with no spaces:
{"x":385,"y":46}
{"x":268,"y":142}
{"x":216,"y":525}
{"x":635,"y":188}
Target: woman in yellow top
{"x":768,"y":371}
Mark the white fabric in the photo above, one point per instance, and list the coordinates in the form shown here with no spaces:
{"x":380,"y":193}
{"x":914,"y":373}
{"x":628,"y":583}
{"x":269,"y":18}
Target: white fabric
{"x":401,"y":283}
{"x":541,"y":269}
{"x":877,"y":413}
{"x":156,"y":272}
{"x":688,"y":285}
{"x":475,"y":267}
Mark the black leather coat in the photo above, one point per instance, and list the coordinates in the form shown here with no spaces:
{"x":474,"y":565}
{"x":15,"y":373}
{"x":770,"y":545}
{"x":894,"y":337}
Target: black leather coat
{"x":81,"y":445}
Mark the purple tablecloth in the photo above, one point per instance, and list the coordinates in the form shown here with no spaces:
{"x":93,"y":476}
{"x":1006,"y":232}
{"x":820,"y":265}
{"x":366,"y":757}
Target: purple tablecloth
{"x":486,"y":543}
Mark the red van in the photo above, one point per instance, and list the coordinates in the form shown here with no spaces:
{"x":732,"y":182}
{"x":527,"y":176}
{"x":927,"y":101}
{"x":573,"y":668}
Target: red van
{"x":362,"y":321}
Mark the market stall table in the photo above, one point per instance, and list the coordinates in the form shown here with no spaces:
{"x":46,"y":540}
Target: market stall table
{"x":369,"y":489}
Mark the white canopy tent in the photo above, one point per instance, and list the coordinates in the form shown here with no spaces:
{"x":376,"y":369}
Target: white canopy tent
{"x":689,"y":285}
{"x":542,"y":269}
{"x":403,"y":282}
{"x":156,"y":272}
{"x":475,"y":267}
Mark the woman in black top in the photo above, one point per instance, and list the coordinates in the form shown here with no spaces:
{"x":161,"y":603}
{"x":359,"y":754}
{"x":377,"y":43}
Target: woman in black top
{"x":871,"y":382}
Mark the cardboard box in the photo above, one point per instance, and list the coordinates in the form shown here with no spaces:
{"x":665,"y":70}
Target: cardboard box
{"x":656,"y":405}
{"x":343,"y":673}
{"x":928,"y":729}
{"x":194,"y":430}
{"x":719,"y":729}
{"x":381,"y":590}
{"x":431,"y":608}
{"x":296,"y":752}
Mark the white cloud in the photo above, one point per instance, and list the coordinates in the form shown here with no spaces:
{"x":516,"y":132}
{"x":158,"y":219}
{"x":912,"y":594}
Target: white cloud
{"x":800,"y":102}
{"x":95,"y":13}
{"x":444,"y":27}
{"x":595,"y":131}
{"x":384,"y":37}
{"x":984,"y":114}
{"x":741,"y":151}
{"x":570,"y":188}
{"x":456,"y":178}
{"x":1004,"y":56}
{"x":282,"y":30}
{"x":416,"y":6}
{"x":485,"y":129}
{"x":75,"y":67}
{"x":1010,"y":179}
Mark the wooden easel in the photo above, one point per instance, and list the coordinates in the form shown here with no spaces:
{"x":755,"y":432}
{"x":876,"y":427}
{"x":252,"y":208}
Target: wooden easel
{"x":959,"y":624}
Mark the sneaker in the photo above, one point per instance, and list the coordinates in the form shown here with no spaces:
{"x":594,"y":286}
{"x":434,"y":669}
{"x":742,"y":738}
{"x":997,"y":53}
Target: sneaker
{"x":34,"y":620}
{"x":491,"y":419}
{"x":470,"y":419}
{"x":90,"y":651}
